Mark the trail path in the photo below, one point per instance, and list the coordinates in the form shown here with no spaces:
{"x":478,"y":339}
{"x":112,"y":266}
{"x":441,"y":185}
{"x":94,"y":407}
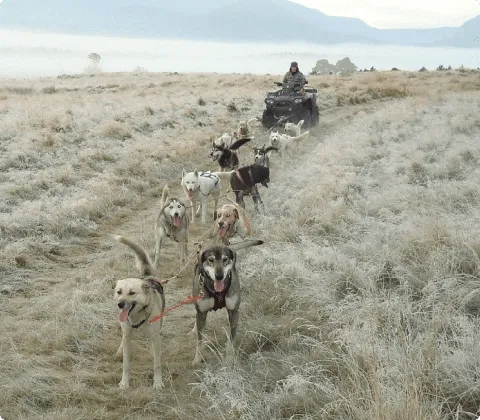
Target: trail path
{"x":83,"y":281}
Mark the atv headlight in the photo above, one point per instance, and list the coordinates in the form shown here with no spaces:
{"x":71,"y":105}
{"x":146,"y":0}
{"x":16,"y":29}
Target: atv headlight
{"x":269,"y":101}
{"x":298,"y":100}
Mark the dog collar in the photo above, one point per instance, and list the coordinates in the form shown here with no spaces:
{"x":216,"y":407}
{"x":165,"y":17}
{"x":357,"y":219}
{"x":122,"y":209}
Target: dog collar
{"x":143,"y":321}
{"x":157,"y":287}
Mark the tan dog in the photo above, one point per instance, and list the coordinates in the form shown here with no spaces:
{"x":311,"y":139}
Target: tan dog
{"x":140,"y":299}
{"x":231,"y":221}
{"x":244,"y":129}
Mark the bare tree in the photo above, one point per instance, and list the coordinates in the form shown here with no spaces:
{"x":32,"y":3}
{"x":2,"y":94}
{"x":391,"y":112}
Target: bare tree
{"x":94,"y":65}
{"x":94,"y":58}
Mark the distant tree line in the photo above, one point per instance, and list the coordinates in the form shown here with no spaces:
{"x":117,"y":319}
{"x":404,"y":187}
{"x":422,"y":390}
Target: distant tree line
{"x":343,"y":66}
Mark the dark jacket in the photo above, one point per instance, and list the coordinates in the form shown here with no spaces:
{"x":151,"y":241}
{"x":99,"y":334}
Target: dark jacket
{"x":290,"y":79}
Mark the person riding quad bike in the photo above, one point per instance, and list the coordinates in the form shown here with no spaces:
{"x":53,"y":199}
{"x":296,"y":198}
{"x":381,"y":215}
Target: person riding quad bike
{"x":294,"y":78}
{"x":292,"y":103}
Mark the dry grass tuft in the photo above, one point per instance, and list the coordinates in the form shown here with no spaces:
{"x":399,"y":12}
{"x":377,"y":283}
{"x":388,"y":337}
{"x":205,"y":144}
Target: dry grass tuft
{"x":115,"y":130}
{"x":49,"y":90}
{"x":232,"y":107}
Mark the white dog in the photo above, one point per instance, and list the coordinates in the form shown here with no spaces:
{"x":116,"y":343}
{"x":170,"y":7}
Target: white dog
{"x":294,"y":130}
{"x":140,"y":299}
{"x":285,"y":143}
{"x":172,"y":222}
{"x":225,"y":140}
{"x":200,"y":186}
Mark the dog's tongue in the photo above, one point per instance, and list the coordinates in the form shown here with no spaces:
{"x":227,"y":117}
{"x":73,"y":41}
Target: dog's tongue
{"x":122,"y":316}
{"x":223,"y":231}
{"x":218,"y":285}
{"x":177,"y":221}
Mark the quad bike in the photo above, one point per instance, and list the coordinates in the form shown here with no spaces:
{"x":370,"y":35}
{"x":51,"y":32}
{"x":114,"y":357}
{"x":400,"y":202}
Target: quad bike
{"x":291,"y":104}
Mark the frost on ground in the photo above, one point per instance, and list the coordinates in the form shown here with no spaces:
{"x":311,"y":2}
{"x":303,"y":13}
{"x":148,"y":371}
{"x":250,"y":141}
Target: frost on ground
{"x":363,"y":302}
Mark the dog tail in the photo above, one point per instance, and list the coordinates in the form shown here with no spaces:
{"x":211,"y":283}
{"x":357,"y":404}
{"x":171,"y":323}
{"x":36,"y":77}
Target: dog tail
{"x":238,"y":143}
{"x":165,"y":193}
{"x":245,"y":244}
{"x":300,"y":123}
{"x":302,"y":136}
{"x":144,"y":264}
{"x":224,"y":175}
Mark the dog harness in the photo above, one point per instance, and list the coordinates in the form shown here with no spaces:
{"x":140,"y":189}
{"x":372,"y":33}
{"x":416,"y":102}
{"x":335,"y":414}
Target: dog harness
{"x":218,"y":297}
{"x":157,"y":287}
{"x":209,"y":175}
{"x":239,"y":176}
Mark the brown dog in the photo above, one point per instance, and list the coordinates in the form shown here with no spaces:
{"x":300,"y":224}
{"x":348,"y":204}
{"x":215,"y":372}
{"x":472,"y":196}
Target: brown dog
{"x":231,"y":221}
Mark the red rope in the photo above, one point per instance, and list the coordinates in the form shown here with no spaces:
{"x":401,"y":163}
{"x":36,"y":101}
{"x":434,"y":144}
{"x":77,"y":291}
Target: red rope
{"x":189,"y":299}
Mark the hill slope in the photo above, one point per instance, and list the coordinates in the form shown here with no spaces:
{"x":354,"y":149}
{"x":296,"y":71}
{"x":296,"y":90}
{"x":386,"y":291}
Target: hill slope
{"x":219,"y":20}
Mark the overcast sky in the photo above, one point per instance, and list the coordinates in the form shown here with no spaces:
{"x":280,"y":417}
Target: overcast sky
{"x":400,"y":13}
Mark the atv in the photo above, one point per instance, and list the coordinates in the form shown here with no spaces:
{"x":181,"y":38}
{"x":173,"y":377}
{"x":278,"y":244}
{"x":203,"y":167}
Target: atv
{"x":291,"y":104}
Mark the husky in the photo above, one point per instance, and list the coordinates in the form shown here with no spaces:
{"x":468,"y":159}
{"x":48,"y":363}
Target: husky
{"x":172,"y":222}
{"x":139,"y":299}
{"x":285,"y":143}
{"x":200,"y":186}
{"x":262,"y":155}
{"x":227,"y":157}
{"x":294,"y":130}
{"x":216,"y":280}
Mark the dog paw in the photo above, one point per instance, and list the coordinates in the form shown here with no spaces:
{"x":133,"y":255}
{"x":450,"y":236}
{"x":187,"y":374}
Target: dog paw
{"x":230,"y":355}
{"x":158,"y":384}
{"x":124,"y":384}
{"x":198,"y":360}
{"x":197,"y":363}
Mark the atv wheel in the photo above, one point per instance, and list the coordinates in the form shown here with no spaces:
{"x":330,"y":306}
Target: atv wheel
{"x":307,"y":118}
{"x":316,"y":115}
{"x":268,"y":120}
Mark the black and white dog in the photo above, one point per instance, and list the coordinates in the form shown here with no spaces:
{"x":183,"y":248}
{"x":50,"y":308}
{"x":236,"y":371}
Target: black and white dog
{"x":217,"y":281}
{"x":226,"y":156}
{"x":244,"y":182}
{"x":262,"y":155}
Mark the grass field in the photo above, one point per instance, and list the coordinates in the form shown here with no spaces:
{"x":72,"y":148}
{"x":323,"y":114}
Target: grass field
{"x":363,"y":302}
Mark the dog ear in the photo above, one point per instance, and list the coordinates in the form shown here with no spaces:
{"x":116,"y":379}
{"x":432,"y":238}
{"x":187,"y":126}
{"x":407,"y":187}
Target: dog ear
{"x":200,"y":257}
{"x":233,"y":256}
{"x":184,"y":172}
{"x":145,"y":288}
{"x":236,"y":213}
{"x":196,"y":173}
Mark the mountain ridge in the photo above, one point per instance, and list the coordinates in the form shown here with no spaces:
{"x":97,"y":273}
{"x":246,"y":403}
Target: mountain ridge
{"x":220,"y":20}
